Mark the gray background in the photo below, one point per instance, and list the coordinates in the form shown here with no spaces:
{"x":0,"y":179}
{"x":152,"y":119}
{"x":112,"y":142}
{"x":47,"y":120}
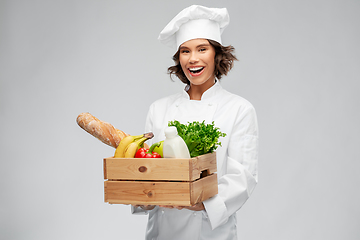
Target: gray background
{"x":299,"y":65}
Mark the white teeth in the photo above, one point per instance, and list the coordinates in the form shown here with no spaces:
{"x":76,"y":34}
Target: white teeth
{"x":195,"y":69}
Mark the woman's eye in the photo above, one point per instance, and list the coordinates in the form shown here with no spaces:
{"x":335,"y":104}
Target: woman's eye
{"x":202,"y":49}
{"x":185,"y":51}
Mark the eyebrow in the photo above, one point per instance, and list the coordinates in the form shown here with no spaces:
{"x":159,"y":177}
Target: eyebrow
{"x":200,"y":45}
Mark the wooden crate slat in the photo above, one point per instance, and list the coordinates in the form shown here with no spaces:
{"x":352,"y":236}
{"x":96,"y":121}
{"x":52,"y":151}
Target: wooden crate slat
{"x":171,"y":169}
{"x":147,"y":169}
{"x":202,"y":163}
{"x":151,"y":193}
{"x":203,"y":188}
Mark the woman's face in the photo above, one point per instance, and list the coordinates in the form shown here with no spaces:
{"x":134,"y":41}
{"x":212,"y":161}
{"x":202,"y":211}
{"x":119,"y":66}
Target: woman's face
{"x":197,"y":60}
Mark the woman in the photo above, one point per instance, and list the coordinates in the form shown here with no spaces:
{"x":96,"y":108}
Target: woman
{"x":200,"y":61}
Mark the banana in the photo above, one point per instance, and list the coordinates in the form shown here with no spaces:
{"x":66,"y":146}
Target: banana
{"x":120,"y":150}
{"x":125,"y":142}
{"x":132,"y":148}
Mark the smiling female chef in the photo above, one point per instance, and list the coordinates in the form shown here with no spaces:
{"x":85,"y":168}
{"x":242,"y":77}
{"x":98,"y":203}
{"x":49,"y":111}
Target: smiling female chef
{"x":196,"y":34}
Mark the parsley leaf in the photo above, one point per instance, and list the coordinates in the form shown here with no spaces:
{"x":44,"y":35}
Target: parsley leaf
{"x":200,"y":138}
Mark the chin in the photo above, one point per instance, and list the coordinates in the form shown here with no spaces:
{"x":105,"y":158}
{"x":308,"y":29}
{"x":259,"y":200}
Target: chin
{"x":196,"y":83}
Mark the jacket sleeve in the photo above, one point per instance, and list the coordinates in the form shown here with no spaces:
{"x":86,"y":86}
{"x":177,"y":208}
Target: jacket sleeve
{"x":238,"y":176}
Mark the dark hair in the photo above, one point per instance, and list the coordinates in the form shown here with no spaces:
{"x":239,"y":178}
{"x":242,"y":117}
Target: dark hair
{"x":224,"y":61}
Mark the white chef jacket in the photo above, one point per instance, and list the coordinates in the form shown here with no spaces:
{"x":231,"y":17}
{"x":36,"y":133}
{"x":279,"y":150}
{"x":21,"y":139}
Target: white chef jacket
{"x":237,"y":161}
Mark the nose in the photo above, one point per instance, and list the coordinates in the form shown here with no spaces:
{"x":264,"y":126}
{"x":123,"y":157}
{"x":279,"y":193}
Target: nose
{"x":193,"y":57}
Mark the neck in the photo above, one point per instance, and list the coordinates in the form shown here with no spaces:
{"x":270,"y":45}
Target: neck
{"x":196,"y":91}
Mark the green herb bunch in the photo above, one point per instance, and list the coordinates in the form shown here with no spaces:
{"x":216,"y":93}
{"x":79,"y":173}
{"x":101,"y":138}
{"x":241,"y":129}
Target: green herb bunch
{"x":200,"y":138}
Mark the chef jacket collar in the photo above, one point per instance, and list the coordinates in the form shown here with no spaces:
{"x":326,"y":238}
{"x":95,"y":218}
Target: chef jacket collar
{"x":208,"y":94}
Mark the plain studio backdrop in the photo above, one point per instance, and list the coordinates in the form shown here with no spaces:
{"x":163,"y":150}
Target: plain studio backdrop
{"x":299,"y":64}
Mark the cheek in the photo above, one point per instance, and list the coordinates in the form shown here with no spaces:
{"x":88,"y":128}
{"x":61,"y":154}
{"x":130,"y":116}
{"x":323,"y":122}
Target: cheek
{"x":183,"y":62}
{"x":184,"y":69}
{"x":211,"y":63}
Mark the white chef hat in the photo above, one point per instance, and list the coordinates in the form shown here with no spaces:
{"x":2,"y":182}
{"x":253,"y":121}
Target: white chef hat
{"x":195,"y":22}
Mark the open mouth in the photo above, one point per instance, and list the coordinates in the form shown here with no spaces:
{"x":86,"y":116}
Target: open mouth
{"x":195,"y":71}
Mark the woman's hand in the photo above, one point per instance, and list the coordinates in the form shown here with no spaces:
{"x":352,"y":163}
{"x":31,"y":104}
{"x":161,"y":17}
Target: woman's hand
{"x":146,"y":207}
{"x":196,"y":207}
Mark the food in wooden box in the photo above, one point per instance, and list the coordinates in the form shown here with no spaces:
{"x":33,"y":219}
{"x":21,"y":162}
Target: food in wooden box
{"x":164,"y":181}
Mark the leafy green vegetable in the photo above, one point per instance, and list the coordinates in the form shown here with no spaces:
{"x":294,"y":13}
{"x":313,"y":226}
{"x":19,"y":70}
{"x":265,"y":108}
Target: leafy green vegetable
{"x":200,"y":138}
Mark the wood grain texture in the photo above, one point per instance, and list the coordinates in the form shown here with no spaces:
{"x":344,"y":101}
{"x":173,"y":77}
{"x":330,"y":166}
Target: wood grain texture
{"x":147,"y":169}
{"x":204,"y":188}
{"x":206,"y":162}
{"x":171,"y":169}
{"x":148,"y":193}
{"x":160,"y":193}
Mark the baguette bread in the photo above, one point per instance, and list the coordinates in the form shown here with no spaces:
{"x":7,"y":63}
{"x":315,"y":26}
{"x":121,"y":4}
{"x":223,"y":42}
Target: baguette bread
{"x":103,"y":131}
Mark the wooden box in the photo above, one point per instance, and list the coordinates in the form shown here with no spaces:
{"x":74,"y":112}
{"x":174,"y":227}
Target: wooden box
{"x":160,"y":181}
